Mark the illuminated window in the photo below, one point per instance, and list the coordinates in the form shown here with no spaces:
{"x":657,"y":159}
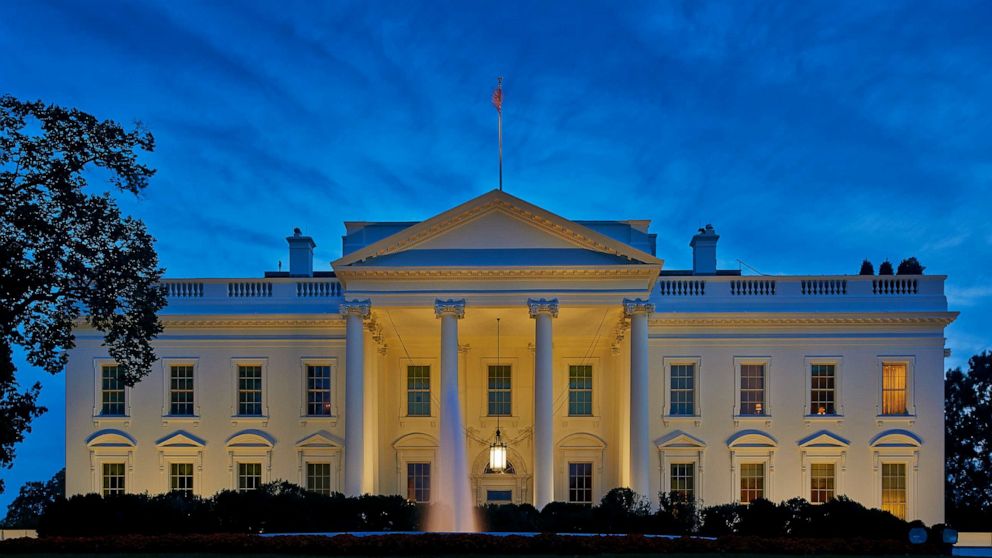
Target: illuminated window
{"x":318,"y":390}
{"x":822,"y":396}
{"x":181,"y":477}
{"x":112,"y":391}
{"x":580,"y":483}
{"x":418,"y":482}
{"x":113,"y":478}
{"x":418,"y":391}
{"x":319,"y":478}
{"x":181,"y":391}
{"x":752,"y":482}
{"x":580,"y":390}
{"x":249,"y":391}
{"x":894,"y":489}
{"x":683,"y":389}
{"x":249,"y":476}
{"x":500,"y":402}
{"x":821,"y":482}
{"x":894,"y":388}
{"x":683,"y":480}
{"x":753,"y":389}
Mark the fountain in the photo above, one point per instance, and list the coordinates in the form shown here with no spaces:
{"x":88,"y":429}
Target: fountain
{"x":452,"y":508}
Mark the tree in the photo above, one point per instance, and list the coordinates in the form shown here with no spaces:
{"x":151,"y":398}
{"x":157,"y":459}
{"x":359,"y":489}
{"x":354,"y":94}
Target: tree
{"x":32,"y":501}
{"x":885,"y":268}
{"x":867,"y":268}
{"x":910,"y":266}
{"x":65,"y":254}
{"x":967,"y":443}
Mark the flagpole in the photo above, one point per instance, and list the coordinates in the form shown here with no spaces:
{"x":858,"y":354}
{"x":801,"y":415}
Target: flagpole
{"x":499,"y":112}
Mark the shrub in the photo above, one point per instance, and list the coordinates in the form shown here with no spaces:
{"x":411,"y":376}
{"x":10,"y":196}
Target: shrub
{"x":677,"y":515}
{"x":622,"y":511}
{"x":867,"y":268}
{"x":910,"y":266}
{"x":885,"y":268}
{"x":721,"y":520}
{"x":563,"y":517}
{"x":510,"y":518}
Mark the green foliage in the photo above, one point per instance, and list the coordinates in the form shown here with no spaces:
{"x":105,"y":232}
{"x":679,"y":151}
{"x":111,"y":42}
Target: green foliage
{"x":65,"y":253}
{"x":967,"y":444}
{"x":910,"y":266}
{"x":622,"y":511}
{"x":885,"y":268}
{"x":867,"y":268}
{"x":677,"y":514}
{"x":26,"y":509}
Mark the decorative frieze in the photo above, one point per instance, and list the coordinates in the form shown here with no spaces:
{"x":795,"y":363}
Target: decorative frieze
{"x":450,"y":307}
{"x":539,"y":306}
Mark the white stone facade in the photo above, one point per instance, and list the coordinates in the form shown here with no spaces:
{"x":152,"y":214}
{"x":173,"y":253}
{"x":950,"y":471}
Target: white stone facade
{"x":617,"y":373}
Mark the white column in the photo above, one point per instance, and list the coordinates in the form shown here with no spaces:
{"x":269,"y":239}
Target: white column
{"x":638,"y":311}
{"x":543,"y":310}
{"x":452,"y":484}
{"x":355,"y":313}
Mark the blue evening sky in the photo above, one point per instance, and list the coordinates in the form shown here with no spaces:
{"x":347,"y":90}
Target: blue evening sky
{"x":811,"y":134}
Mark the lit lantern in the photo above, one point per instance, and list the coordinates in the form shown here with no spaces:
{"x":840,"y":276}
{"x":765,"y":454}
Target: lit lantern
{"x":497,"y":454}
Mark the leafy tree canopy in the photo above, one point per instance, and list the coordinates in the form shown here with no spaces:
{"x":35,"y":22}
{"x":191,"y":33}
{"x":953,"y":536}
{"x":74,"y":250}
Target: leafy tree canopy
{"x":867,"y":268}
{"x":910,"y":266}
{"x":885,"y":268}
{"x":26,"y":510}
{"x":66,"y":254}
{"x":968,"y":443}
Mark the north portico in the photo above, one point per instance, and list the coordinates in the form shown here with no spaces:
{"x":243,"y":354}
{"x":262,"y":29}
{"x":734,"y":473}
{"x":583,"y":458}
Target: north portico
{"x":609,"y":370}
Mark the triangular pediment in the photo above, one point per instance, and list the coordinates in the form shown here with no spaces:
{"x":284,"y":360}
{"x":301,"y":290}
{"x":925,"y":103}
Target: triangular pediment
{"x":321,"y":439}
{"x":824,"y":439}
{"x":496,"y":230}
{"x":180,"y":439}
{"x":679,"y":440}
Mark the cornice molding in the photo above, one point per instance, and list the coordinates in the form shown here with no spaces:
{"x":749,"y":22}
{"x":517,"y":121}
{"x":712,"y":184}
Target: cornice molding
{"x":531,"y":272}
{"x":745,"y":319}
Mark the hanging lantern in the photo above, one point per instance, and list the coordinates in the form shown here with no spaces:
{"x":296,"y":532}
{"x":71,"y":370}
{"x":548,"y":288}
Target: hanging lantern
{"x":497,"y":454}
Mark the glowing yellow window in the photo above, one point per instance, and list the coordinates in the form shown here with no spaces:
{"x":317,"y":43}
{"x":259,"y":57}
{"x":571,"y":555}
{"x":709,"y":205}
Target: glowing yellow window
{"x":894,"y":388}
{"x":894,"y":489}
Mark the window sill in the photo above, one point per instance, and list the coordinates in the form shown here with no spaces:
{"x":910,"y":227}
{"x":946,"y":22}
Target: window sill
{"x":112,"y":419}
{"x":810,"y":419}
{"x":696,"y":420}
{"x":181,"y":419}
{"x":753,"y":419}
{"x":329,"y":420}
{"x":897,"y":419}
{"x":263,"y":420}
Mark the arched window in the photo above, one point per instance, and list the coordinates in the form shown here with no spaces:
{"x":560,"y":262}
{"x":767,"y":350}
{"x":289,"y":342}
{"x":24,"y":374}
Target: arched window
{"x":508,"y":471}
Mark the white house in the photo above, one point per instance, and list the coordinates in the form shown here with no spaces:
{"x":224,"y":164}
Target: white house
{"x":611,"y":371}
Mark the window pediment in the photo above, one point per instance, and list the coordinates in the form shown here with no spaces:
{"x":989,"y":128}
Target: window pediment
{"x":896,"y":438}
{"x":416,"y":441}
{"x":111,"y":438}
{"x":250,"y":439}
{"x":751,"y":439}
{"x":180,"y":439}
{"x":582,"y":441}
{"x":824,"y":440}
{"x":679,"y":440}
{"x":321,"y":439}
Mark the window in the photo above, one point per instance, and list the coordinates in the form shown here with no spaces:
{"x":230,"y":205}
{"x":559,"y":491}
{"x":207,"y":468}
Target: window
{"x":112,"y":391}
{"x":319,"y":478}
{"x":113,"y":478}
{"x":753,"y":389}
{"x":181,"y":391}
{"x":683,"y":481}
{"x":418,"y":391}
{"x":683,"y":389}
{"x":249,"y":476}
{"x":580,"y":483}
{"x":894,"y":388}
{"x":580,"y":390}
{"x":822,"y":395}
{"x":181,"y":477}
{"x":752,"y":482}
{"x":499,"y":496}
{"x":318,"y":390}
{"x":822,"y":481}
{"x":894,"y":489}
{"x":249,"y":391}
{"x":418,"y":482}
{"x":500,"y":401}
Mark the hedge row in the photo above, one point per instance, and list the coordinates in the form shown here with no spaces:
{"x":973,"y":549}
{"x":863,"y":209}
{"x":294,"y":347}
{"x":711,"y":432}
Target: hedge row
{"x":431,"y":544}
{"x":287,"y":508}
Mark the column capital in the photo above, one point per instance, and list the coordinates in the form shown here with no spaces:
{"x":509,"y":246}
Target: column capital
{"x":452,"y":307}
{"x":634,"y":306}
{"x":538,"y":306}
{"x":360,"y":308}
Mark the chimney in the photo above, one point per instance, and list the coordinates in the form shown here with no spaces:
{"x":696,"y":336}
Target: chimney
{"x":300,"y":254}
{"x":704,"y":251}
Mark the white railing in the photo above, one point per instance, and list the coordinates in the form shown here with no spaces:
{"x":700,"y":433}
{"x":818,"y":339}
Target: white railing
{"x":895,"y":286}
{"x":249,"y":289}
{"x":752,"y":287}
{"x":318,"y":289}
{"x":824,"y":286}
{"x":682,"y":287}
{"x":184,"y":289}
